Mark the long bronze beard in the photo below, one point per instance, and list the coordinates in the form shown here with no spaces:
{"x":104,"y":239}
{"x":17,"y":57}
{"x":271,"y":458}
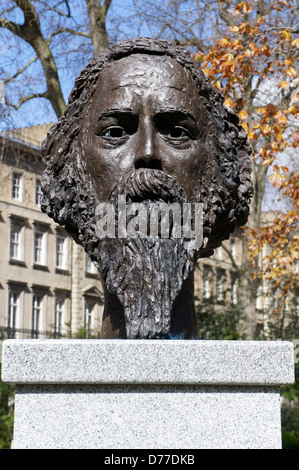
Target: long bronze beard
{"x":146,"y":274}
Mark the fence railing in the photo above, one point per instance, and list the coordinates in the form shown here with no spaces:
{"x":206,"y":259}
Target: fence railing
{"x":21,"y":333}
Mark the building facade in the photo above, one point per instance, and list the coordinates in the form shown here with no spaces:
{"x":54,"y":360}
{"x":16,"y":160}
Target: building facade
{"x":48,"y":286}
{"x":217,"y":277}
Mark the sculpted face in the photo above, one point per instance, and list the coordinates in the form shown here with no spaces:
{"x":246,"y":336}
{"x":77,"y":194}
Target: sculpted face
{"x":144,"y":114}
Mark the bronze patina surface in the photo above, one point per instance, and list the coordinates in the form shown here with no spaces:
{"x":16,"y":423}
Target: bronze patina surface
{"x":144,"y":122}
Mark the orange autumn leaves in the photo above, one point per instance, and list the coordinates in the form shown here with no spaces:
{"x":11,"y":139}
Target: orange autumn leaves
{"x":279,"y":264}
{"x":251,"y":63}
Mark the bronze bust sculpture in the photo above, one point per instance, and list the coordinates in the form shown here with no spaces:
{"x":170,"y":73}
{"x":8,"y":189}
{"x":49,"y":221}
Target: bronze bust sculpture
{"x":144,"y":123}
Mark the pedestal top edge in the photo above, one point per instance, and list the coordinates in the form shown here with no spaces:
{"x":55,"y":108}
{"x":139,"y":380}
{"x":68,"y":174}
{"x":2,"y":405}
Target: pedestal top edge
{"x":147,"y":361}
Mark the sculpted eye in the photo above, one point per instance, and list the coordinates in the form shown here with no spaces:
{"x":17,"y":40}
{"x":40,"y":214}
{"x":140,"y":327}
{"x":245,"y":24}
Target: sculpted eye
{"x":114,"y":133}
{"x":176,"y":132}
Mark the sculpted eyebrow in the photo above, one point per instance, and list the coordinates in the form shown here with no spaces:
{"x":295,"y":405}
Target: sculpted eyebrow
{"x":115,"y":112}
{"x":181,"y":113}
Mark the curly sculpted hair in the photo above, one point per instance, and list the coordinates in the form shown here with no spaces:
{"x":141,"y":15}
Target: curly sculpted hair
{"x":68,"y":195}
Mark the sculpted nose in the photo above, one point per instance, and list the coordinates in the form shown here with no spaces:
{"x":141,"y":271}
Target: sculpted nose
{"x":146,"y":151}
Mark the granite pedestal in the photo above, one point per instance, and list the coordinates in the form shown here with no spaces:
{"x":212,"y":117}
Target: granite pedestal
{"x":147,"y":394}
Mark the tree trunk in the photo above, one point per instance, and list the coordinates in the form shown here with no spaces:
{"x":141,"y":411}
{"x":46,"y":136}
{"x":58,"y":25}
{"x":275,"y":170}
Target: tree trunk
{"x":259,"y":183}
{"x":54,"y":92}
{"x":97,"y":19}
{"x":30,"y":32}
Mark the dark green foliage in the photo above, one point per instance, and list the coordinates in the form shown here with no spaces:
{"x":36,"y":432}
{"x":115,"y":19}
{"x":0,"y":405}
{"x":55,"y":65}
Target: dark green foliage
{"x":290,"y":425}
{"x":6,"y":414}
{"x":290,"y":414}
{"x":219,"y":321}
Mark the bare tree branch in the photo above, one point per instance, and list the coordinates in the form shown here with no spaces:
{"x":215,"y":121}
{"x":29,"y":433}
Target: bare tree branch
{"x":8,"y":10}
{"x":30,"y":15}
{"x":31,"y":32}
{"x":224,"y":14}
{"x":23,"y":100}
{"x":11,"y":26}
{"x":68,"y":8}
{"x":21,"y":70}
{"x":68,"y":30}
{"x":66,"y":15}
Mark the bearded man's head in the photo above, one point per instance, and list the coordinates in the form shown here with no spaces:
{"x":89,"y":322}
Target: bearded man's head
{"x":144,"y":122}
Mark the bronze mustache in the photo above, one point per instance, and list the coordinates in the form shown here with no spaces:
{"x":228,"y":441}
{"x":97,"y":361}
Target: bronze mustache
{"x":151,"y":184}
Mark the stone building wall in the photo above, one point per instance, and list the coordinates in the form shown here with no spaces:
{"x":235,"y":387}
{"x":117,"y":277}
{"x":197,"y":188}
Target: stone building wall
{"x":47,"y":287}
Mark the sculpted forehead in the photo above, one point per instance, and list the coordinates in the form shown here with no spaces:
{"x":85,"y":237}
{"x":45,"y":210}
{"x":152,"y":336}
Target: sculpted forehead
{"x":141,"y":75}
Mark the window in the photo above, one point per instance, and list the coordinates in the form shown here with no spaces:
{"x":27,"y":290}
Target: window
{"x":38,"y":193}
{"x":206,"y":283}
{"x":36,"y":315}
{"x":219,"y":290}
{"x":16,"y":238}
{"x":59,"y":318}
{"x":17,"y":186}
{"x":259,"y":298}
{"x":275,"y":303}
{"x":15,"y":243}
{"x":89,"y":318}
{"x":219,"y":252}
{"x":232,"y":247}
{"x":39,"y":255}
{"x":234,"y":290}
{"x":13,"y":313}
{"x":89,"y":266}
{"x":61,"y":255}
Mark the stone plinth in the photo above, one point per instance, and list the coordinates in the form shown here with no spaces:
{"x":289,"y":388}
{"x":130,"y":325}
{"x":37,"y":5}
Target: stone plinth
{"x":147,"y":394}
